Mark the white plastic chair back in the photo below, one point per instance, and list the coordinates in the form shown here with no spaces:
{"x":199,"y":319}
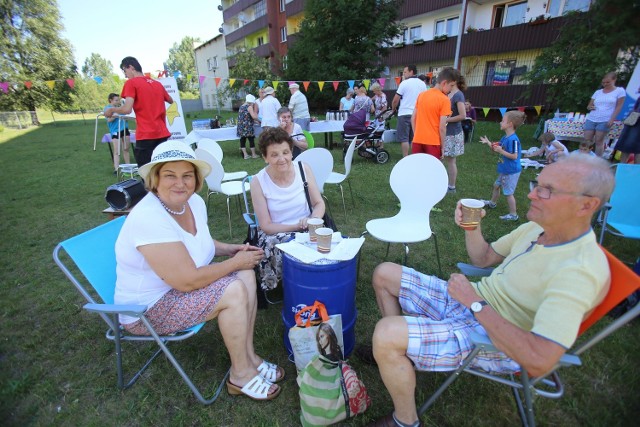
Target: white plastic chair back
{"x":348,"y":158}
{"x":212,"y":147}
{"x":320,"y":161}
{"x":214,"y":179}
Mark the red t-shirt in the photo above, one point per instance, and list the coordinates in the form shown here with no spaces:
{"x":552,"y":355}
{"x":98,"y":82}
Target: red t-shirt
{"x":430,"y":106}
{"x":149,"y":97}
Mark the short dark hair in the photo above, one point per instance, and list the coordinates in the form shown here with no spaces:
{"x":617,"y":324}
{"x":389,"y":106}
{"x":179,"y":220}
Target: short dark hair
{"x":412,"y":68}
{"x":449,"y":74}
{"x":113,"y":95}
{"x":130,"y":61}
{"x":283,"y":110}
{"x":273,"y":136}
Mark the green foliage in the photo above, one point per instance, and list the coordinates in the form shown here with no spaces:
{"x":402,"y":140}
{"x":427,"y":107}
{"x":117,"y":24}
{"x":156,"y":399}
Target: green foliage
{"x":88,"y":95}
{"x":247,"y":66}
{"x":97,"y":66}
{"x":183,"y":58}
{"x":32,"y":49}
{"x":591,"y":44}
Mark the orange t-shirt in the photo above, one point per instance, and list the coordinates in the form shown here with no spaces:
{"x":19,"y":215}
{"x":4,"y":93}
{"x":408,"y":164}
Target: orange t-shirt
{"x":430,"y":106}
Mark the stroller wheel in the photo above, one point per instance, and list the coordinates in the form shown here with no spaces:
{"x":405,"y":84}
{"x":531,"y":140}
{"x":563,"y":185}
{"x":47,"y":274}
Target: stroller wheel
{"x":382,"y":157}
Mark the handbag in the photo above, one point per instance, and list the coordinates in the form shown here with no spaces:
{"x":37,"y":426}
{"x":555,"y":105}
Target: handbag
{"x":632,"y":118}
{"x":306,"y":342}
{"x":328,"y":221}
{"x":330,"y":392}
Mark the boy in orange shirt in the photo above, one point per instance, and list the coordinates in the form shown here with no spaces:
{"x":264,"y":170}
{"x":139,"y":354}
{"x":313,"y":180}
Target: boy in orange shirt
{"x":429,"y":117}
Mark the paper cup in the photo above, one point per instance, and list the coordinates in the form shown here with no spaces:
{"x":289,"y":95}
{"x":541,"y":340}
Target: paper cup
{"x":471,"y":211}
{"x":324,"y":239}
{"x":313,"y":224}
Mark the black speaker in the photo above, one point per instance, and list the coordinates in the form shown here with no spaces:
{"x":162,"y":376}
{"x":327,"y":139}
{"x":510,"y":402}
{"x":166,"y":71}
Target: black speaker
{"x":124,"y":195}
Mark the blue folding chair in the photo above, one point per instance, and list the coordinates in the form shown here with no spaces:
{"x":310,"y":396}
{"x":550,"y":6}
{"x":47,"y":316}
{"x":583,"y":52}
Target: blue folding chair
{"x":93,"y":253}
{"x":621,"y":216}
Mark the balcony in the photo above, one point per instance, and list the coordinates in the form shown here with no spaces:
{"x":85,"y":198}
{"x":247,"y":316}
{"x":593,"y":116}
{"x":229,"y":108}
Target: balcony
{"x":262,"y":51}
{"x":430,"y":50}
{"x":236,"y":8}
{"x":246,"y":30}
{"x":418,"y":7}
{"x":295,"y":7}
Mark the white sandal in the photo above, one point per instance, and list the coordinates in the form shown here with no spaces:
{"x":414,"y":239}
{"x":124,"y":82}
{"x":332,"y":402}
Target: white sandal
{"x":269,"y":371}
{"x":256,"y":389}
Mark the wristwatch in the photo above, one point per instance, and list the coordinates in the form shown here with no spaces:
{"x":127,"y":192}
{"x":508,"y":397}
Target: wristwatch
{"x":476,"y":307}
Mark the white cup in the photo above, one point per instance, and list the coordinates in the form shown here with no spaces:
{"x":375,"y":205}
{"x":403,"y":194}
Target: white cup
{"x":471,"y":213}
{"x":324,"y":239}
{"x":313,"y":224}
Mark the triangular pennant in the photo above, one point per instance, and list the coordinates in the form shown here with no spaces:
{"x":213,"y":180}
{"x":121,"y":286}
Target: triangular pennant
{"x":115,"y":78}
{"x":177,"y":74}
{"x":260,"y":83}
{"x":398,"y":80}
{"x":231,"y":82}
{"x":50,"y":83}
{"x":289,"y":83}
{"x":306,"y":85}
{"x":335,"y":86}
{"x":98,"y":79}
{"x":189,"y":77}
{"x":148,"y":75}
{"x":246,"y":82}
{"x":486,"y":110}
{"x":502,"y":110}
{"x":351,"y":83}
{"x":538,"y":109}
{"x":320,"y":85}
{"x":382,"y":81}
{"x":430,"y":74}
{"x":4,"y":86}
{"x":521,"y":109}
{"x":201,"y":79}
{"x":275,"y":84}
{"x":217,"y":79}
{"x":28,"y":84}
{"x":366,"y":82}
{"x":71,"y":83}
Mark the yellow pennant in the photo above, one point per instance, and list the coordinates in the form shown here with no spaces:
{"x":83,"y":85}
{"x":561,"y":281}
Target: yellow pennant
{"x":50,"y":83}
{"x":366,"y":83}
{"x":486,"y":110}
{"x":231,"y":82}
{"x":275,"y":84}
{"x":320,"y":85}
{"x":538,"y":108}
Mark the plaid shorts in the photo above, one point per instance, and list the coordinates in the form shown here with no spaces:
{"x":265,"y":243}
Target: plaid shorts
{"x":177,"y":311}
{"x":439,"y":327}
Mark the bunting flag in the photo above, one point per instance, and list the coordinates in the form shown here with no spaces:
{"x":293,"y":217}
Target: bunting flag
{"x":290,"y":83}
{"x":201,"y":79}
{"x":50,"y":83}
{"x":28,"y":84}
{"x":320,"y":85}
{"x":335,"y":86}
{"x":148,"y":75}
{"x":217,"y":79}
{"x":176,"y":74}
{"x":231,"y":82}
{"x":382,"y":81}
{"x":398,"y":80}
{"x":5,"y":87}
{"x":486,"y":111}
{"x":189,"y":77}
{"x":538,"y":108}
{"x":351,"y":83}
{"x":521,"y":109}
{"x":71,"y":83}
{"x":430,"y":74}
{"x":98,"y":79}
{"x":502,"y":110}
{"x":366,"y":82}
{"x":275,"y":84}
{"x":115,"y":78}
{"x":246,"y":82}
{"x":306,"y":85}
{"x":260,"y":83}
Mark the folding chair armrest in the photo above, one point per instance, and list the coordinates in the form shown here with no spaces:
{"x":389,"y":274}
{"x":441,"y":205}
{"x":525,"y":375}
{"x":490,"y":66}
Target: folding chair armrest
{"x":569,"y":359}
{"x":472,"y":270}
{"x":130,"y":310}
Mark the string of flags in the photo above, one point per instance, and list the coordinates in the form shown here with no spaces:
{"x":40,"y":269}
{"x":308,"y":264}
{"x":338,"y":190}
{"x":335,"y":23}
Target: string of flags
{"x":4,"y":86}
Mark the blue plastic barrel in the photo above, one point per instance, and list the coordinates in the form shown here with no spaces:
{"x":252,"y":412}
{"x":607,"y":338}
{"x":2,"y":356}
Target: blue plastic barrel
{"x":332,"y":284}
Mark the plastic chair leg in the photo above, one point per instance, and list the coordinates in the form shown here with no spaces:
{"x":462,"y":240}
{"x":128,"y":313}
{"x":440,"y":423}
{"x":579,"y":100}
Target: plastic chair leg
{"x":344,"y":207}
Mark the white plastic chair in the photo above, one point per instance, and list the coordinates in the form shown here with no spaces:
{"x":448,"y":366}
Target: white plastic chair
{"x":214,"y":148}
{"x":419,"y":181}
{"x":338,"y":178}
{"x":320,"y":161}
{"x":215,"y":184}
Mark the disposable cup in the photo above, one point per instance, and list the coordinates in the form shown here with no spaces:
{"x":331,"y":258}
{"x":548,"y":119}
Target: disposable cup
{"x":313,"y":224}
{"x":324,"y":239}
{"x":471,"y":213}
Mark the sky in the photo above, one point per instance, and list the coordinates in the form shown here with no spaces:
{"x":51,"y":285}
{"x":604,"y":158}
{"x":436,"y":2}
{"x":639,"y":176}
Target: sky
{"x":144,"y":29}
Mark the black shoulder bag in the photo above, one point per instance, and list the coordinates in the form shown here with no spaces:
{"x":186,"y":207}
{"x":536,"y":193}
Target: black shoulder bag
{"x":328,"y":221}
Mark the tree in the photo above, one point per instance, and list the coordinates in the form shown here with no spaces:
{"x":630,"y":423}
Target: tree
{"x":247,"y":66}
{"x":31,"y":49}
{"x":97,"y":66}
{"x":592,"y":43}
{"x":182,"y":58}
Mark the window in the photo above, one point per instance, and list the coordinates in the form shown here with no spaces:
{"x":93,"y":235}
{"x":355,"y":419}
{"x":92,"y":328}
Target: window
{"x":284,"y":62}
{"x":509,"y":14}
{"x":260,"y":41}
{"x":282,"y":3}
{"x":212,"y":63}
{"x":283,"y":34}
{"x":448,"y":27}
{"x":415,"y":33}
{"x":261,"y":9}
{"x":499,"y":73}
{"x":560,"y":7}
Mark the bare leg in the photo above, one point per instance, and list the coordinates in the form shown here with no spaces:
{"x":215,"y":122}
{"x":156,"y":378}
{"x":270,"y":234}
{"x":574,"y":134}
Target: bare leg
{"x":600,"y":142}
{"x":405,"y":149}
{"x":588,"y":136}
{"x":495,"y":194}
{"x":386,"y":284}
{"x":452,"y":170}
{"x":511,"y":202}
{"x":125,"y":153}
{"x":115,"y":142}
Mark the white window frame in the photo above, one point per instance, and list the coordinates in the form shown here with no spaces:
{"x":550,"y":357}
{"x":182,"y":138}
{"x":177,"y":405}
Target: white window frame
{"x":283,"y":34}
{"x":282,"y":4}
{"x":445,"y":22}
{"x":412,"y":30}
{"x":506,"y":12}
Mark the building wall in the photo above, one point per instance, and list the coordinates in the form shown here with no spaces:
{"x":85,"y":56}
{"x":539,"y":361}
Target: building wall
{"x":214,"y":48}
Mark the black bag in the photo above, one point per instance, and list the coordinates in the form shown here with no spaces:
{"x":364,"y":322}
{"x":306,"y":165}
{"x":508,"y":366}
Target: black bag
{"x":328,"y":221}
{"x":214,"y":123}
{"x":124,"y":195}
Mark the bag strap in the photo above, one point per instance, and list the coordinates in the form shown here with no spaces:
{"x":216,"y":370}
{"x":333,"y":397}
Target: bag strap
{"x":312,"y":309}
{"x":305,"y":184}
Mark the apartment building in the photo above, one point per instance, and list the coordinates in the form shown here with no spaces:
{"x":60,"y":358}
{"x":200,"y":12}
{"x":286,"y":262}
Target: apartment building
{"x":211,"y":63}
{"x":499,"y":40}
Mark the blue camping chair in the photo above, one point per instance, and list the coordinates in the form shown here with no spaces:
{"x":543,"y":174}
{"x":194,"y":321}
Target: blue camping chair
{"x":621,"y":216}
{"x":93,"y":253}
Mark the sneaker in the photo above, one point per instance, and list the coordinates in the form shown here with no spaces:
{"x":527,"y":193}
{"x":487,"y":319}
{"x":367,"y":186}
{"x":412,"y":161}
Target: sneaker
{"x":451,"y":190}
{"x":489,"y":204}
{"x":510,"y":217}
{"x":246,"y":156}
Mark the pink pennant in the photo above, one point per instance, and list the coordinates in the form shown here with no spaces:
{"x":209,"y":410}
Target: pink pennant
{"x":335,"y":86}
{"x":71,"y":83}
{"x":246,"y":82}
{"x":4,"y":86}
{"x":521,"y":109}
{"x":382,"y":81}
{"x":201,"y":79}
{"x":28,"y":84}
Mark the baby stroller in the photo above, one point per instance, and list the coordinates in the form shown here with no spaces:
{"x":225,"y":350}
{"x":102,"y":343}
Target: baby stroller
{"x":368,"y":135}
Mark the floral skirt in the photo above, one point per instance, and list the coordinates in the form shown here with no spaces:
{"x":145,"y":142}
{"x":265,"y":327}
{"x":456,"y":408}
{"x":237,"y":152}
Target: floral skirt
{"x":270,"y":268}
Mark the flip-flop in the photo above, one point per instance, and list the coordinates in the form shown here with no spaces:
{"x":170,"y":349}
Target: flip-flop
{"x":270,"y":371}
{"x":256,"y":389}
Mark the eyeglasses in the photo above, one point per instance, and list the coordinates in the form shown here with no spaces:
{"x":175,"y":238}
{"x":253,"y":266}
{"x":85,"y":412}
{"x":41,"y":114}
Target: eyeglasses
{"x":546,"y":192}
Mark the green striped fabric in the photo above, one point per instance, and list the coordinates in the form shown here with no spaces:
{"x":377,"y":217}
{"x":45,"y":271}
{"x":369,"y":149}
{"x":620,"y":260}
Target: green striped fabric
{"x":322,"y":398}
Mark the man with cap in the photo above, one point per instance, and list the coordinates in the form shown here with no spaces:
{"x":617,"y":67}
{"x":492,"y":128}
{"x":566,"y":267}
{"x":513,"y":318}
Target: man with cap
{"x":269,"y":108}
{"x":299,"y":107}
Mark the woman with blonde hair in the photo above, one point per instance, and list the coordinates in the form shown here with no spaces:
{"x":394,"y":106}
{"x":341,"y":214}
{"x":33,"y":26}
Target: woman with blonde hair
{"x":379,"y":99}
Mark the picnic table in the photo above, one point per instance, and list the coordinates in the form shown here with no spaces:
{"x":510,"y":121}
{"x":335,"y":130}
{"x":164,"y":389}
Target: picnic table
{"x":572,"y":131}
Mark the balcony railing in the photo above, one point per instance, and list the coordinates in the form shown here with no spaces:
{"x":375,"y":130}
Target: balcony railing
{"x":417,"y":7}
{"x":236,"y":8}
{"x":427,"y":51}
{"x":246,"y":30}
{"x":295,"y":7}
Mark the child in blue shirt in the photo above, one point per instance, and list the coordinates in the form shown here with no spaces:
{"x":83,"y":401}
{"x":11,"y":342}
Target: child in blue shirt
{"x":117,"y":134}
{"x":509,"y":167}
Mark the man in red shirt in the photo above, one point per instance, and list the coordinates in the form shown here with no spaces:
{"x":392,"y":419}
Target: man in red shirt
{"x":146,"y":97}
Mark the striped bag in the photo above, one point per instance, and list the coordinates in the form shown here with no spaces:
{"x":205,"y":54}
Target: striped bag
{"x":330,"y":392}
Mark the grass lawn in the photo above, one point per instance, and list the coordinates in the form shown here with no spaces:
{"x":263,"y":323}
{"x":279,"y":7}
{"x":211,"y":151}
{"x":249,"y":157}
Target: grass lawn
{"x":58,"y":369}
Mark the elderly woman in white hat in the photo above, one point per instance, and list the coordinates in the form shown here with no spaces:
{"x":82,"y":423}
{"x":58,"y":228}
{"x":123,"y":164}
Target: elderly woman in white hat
{"x":246,"y":116}
{"x":269,"y":108}
{"x":164,"y":259}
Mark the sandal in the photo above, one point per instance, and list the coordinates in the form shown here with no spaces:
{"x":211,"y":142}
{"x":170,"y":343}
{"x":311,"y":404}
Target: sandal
{"x":247,"y":156}
{"x":270,"y":371}
{"x":256,"y":389}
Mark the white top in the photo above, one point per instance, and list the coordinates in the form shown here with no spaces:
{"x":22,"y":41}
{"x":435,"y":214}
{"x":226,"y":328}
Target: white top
{"x":259,"y":104}
{"x":409,"y":90}
{"x":148,"y":223}
{"x":297,"y":131}
{"x":299,"y":106}
{"x":286,"y":204}
{"x":605,"y":104}
{"x":269,"y":111}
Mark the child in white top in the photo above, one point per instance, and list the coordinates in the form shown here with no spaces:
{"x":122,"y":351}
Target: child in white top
{"x":551,"y":148}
